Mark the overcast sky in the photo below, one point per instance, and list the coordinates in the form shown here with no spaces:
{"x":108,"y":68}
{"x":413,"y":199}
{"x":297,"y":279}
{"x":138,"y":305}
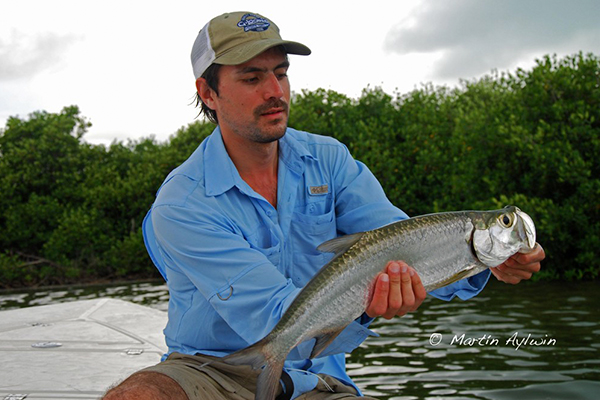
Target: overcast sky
{"x":126,"y":63}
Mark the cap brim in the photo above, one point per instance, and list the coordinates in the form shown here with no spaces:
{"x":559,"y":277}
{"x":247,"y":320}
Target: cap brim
{"x":247,"y":51}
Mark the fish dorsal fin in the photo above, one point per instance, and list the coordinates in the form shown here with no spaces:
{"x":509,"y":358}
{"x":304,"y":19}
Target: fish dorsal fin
{"x":340,"y":244}
{"x":323,"y":341}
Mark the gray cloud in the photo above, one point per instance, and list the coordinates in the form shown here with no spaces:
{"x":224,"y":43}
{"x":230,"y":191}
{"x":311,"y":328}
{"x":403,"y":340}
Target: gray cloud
{"x":477,"y":36}
{"x":23,"y":56}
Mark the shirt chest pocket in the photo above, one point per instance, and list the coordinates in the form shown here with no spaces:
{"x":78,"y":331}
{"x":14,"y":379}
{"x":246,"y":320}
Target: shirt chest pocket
{"x":264,"y":240}
{"x":313,"y":223}
{"x":316,"y":217}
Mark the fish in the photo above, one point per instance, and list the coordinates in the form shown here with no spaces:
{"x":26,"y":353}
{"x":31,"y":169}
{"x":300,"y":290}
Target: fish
{"x":442,"y":247}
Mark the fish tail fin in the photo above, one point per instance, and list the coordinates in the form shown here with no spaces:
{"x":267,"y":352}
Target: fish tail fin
{"x":253,"y":355}
{"x":257,"y":356}
{"x":268,"y":381}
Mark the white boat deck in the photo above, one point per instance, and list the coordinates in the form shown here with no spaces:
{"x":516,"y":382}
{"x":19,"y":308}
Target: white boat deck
{"x":76,"y":350}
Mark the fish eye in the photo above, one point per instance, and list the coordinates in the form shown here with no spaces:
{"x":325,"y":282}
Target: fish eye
{"x":506,"y":220}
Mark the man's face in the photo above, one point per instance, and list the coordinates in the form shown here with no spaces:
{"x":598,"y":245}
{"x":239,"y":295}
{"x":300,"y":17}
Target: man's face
{"x":253,"y":100}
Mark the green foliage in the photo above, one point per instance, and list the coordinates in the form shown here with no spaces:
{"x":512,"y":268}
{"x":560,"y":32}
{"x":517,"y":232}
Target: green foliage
{"x":71,"y":211}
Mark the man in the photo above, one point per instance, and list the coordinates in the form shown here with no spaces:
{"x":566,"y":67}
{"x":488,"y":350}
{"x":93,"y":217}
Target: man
{"x":234,"y":229}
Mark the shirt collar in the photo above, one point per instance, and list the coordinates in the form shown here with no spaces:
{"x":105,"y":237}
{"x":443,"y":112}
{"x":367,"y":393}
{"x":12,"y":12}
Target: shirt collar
{"x":220,"y":174}
{"x":292,"y":152}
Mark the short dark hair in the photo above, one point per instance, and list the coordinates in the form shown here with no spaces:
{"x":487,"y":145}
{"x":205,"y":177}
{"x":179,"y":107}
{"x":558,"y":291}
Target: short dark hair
{"x":212,"y":80}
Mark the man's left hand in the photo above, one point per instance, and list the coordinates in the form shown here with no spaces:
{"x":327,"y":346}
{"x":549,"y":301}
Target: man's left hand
{"x":520,"y":266}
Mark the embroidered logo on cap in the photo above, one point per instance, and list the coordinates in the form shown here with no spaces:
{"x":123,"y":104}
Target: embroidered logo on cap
{"x":251,"y":22}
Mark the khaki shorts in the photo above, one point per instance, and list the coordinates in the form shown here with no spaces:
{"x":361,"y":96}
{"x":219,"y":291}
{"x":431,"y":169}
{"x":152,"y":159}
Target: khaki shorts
{"x":221,"y":381}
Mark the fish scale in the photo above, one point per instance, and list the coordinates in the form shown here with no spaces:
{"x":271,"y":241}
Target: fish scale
{"x":442,"y":248}
{"x":434,"y":246}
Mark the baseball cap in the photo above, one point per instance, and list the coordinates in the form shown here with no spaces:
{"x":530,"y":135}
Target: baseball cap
{"x":234,"y":38}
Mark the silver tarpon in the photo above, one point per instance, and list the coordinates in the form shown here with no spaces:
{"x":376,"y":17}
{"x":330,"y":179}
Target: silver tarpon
{"x":443,"y":248}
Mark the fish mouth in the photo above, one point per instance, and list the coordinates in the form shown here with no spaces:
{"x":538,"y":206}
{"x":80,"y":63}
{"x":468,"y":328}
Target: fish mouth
{"x":497,"y":242}
{"x":527,"y":230}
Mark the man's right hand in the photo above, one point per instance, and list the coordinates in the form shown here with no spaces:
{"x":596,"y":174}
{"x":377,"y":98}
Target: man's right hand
{"x":398,"y":291}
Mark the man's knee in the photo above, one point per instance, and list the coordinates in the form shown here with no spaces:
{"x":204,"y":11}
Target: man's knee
{"x":146,"y":386}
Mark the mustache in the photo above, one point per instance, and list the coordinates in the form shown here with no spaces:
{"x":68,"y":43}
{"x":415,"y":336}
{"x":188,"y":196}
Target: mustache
{"x":274,"y":103}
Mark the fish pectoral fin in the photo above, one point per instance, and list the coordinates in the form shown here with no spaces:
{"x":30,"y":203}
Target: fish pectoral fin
{"x":456,"y":277}
{"x":323,"y":341}
{"x":340,"y":244}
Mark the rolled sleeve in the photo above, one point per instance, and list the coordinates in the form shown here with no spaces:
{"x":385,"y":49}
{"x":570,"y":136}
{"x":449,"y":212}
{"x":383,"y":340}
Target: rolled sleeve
{"x":238,"y":281}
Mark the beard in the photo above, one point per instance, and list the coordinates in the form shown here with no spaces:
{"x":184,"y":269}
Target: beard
{"x":275,"y":129}
{"x":257,"y":127}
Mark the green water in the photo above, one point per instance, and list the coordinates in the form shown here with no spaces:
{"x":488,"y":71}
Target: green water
{"x":529,"y":341}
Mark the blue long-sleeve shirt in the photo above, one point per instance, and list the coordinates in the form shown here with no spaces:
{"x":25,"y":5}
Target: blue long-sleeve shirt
{"x":234,"y":263}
